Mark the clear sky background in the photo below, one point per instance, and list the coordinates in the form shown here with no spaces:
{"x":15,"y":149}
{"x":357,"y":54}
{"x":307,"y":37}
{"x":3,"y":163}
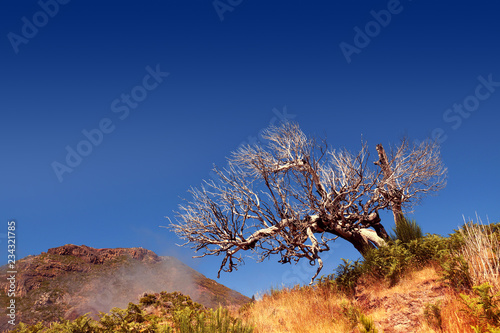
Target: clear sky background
{"x":341,"y":69}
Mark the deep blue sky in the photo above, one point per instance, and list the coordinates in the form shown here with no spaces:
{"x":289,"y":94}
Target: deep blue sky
{"x":225,"y":79}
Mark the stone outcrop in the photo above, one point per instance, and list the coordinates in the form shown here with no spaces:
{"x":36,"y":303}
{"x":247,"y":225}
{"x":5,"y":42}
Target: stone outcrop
{"x":99,"y":256}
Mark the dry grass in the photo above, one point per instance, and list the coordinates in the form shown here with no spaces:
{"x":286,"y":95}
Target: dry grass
{"x":426,"y":328}
{"x":394,"y":306}
{"x":307,"y":310}
{"x":453,"y":312}
{"x":454,"y":316}
{"x":323,"y":310}
{"x":481,"y":252}
{"x":408,"y":283}
{"x":316,"y":310}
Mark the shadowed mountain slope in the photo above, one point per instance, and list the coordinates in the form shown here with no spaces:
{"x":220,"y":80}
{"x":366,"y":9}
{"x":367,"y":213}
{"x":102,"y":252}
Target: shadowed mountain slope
{"x":71,"y":280}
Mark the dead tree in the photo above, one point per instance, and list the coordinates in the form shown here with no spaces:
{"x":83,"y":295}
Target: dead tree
{"x":295,"y":196}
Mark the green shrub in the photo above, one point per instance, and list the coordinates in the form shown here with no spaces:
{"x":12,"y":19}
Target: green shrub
{"x":23,"y":328}
{"x":209,"y":321}
{"x":348,"y":274}
{"x":82,"y":324}
{"x":390,"y":262}
{"x":179,"y":301}
{"x":351,"y":312}
{"x":456,"y":273}
{"x":148,"y":299}
{"x":185,"y":315}
{"x":126,"y":320}
{"x":484,"y":305}
{"x":406,"y":230}
{"x":368,"y":326}
{"x":431,"y":248}
{"x":432,"y":314}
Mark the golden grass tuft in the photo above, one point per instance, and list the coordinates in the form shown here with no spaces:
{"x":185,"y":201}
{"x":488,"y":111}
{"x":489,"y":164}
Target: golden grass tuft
{"x":301,"y":309}
{"x":455,"y":317}
{"x":481,"y":252}
{"x":411,"y":281}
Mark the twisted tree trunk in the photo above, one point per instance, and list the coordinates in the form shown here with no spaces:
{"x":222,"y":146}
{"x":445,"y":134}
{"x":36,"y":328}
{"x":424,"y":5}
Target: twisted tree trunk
{"x":393,"y":193}
{"x":362,"y":238}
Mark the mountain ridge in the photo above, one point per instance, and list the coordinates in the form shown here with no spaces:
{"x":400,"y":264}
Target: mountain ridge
{"x":71,"y":280}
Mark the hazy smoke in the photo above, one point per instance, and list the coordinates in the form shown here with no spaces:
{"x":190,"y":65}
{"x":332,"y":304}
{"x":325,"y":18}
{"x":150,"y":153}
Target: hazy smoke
{"x":123,"y":285}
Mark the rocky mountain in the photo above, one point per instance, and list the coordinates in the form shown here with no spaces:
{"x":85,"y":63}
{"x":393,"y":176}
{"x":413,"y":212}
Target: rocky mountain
{"x":71,"y":280}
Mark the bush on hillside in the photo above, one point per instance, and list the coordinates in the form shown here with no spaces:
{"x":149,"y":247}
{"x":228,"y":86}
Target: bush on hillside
{"x":406,"y":230}
{"x":179,"y":315}
{"x":390,"y":262}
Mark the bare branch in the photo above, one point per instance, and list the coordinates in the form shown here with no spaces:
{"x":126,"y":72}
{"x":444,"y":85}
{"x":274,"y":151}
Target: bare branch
{"x":274,"y":200}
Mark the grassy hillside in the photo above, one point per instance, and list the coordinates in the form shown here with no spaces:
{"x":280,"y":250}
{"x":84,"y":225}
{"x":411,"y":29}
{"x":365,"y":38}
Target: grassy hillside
{"x":419,"y":284}
{"x":425,"y":284}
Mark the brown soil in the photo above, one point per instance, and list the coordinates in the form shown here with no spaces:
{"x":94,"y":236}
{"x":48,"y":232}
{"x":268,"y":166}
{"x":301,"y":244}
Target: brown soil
{"x":401,"y":308}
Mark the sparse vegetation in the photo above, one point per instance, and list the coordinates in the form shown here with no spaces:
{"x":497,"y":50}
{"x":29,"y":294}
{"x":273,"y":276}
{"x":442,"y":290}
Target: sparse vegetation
{"x":408,"y":269}
{"x":429,"y":283}
{"x":155,"y":313}
{"x":432,"y":314}
{"x":367,"y":324}
{"x":484,"y":306}
{"x":303,"y":309}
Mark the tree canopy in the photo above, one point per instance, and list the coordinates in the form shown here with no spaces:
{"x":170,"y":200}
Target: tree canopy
{"x":296,"y":195}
